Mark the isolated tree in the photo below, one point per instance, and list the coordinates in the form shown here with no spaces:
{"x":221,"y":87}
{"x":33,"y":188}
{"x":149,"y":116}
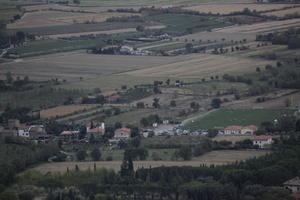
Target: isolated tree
{"x":216,"y":103}
{"x":140,"y":105}
{"x":140,"y":28}
{"x":81,"y":155}
{"x":118,"y":125}
{"x":173,"y":103}
{"x":155,"y":103}
{"x":189,"y":47}
{"x":96,"y":154}
{"x":9,"y":78}
{"x":144,"y":121}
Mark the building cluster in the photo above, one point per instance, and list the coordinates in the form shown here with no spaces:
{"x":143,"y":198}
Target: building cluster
{"x":33,"y":132}
{"x":127,"y":50}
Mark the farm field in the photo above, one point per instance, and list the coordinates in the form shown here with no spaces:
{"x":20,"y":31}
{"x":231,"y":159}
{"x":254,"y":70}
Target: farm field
{"x":276,"y":101}
{"x":214,"y":157}
{"x":223,"y":118}
{"x":262,"y":27}
{"x":151,"y":2}
{"x":235,"y":7}
{"x":282,"y":13}
{"x":69,"y":66}
{"x":55,"y":18}
{"x":64,"y":110}
{"x":91,"y":9}
{"x":200,"y":65}
{"x":114,"y":31}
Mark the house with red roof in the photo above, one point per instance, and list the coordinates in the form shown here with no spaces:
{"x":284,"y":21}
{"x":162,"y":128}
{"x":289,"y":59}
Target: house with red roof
{"x":249,"y":130}
{"x":122,"y":133}
{"x":262,"y":141}
{"x":97,"y":131}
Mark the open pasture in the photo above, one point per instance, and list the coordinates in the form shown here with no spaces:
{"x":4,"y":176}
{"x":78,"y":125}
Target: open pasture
{"x":63,"y":110}
{"x":224,"y":118}
{"x":235,"y":7}
{"x":214,"y":157}
{"x":200,"y":65}
{"x":55,"y":18}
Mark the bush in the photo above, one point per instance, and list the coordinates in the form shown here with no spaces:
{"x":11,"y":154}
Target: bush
{"x":81,"y":155}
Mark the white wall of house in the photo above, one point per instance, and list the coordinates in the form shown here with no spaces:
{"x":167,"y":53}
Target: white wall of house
{"x":262,"y":143}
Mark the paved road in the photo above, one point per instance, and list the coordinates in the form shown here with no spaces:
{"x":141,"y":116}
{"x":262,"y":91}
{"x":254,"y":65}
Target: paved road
{"x":190,"y":120}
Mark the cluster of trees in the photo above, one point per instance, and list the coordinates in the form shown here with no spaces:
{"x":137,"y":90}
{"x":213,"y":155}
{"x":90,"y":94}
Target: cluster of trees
{"x":241,"y":79}
{"x":133,"y":18}
{"x":289,"y":37}
{"x":148,"y":121}
{"x":17,"y":154}
{"x":11,"y":84}
{"x":23,"y":114}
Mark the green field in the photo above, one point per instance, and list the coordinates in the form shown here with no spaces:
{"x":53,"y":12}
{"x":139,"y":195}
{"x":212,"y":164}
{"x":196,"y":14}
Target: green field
{"x":223,"y":118}
{"x":40,"y":47}
{"x":186,"y":24}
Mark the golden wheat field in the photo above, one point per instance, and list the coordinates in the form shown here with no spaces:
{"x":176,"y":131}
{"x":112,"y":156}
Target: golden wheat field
{"x":95,"y":9}
{"x":214,"y":157}
{"x":55,"y":18}
{"x":282,"y":13}
{"x":235,"y":7}
{"x":262,"y":27}
{"x":63,"y":110}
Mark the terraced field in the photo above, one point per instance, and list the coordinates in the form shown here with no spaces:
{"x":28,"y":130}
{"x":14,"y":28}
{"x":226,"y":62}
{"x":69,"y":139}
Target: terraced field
{"x":223,"y":8}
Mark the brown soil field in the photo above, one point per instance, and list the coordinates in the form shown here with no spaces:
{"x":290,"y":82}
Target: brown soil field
{"x":261,"y":27}
{"x":63,"y":110}
{"x":282,"y":13}
{"x":235,"y":7}
{"x":214,"y":157}
{"x":200,"y":65}
{"x":55,"y":18}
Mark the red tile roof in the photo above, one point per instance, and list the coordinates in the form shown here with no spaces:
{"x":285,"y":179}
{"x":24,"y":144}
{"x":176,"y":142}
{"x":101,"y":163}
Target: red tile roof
{"x":262,"y":137}
{"x":235,"y":128}
{"x":251,"y":127}
{"x":124,"y":129}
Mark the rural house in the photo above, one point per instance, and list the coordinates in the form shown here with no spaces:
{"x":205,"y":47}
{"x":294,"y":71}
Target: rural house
{"x":69,"y":136}
{"x":233,"y":130}
{"x":262,"y":140}
{"x":249,"y":130}
{"x":97,"y":131}
{"x":122,"y":133}
{"x":293,"y":186}
{"x":240,"y":130}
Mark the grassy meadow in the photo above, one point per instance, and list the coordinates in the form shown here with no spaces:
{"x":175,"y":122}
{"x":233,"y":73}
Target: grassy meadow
{"x":223,"y":118}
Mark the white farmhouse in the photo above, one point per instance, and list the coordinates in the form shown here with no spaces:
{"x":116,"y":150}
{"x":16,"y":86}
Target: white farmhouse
{"x":262,"y":140}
